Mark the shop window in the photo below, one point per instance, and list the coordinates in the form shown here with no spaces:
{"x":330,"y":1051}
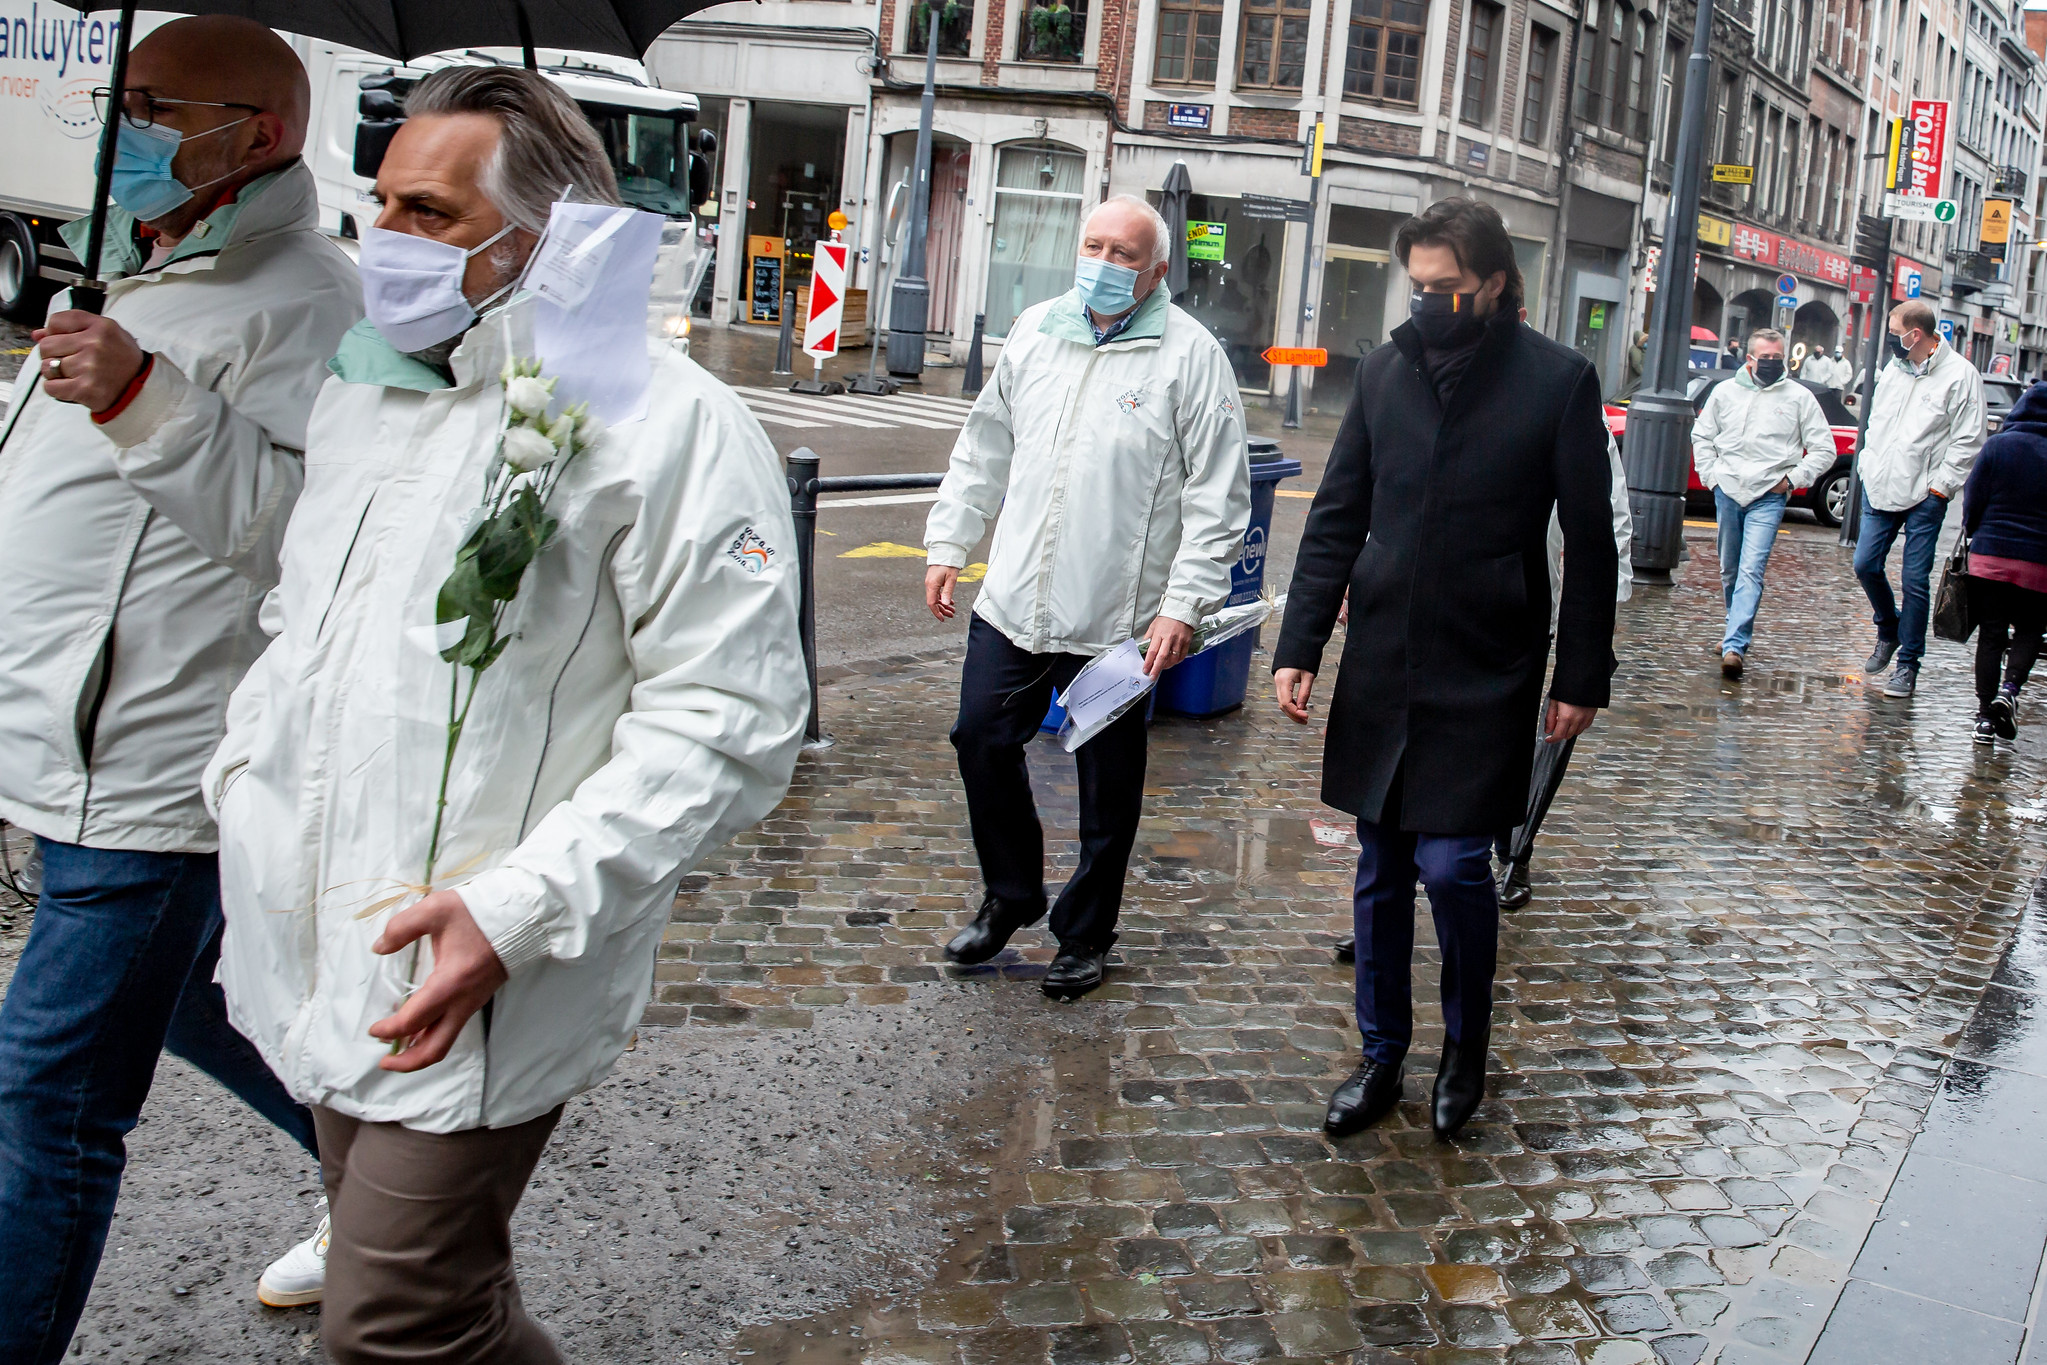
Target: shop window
{"x":1190,"y":40}
{"x":1053,"y":31}
{"x":1535,"y":88}
{"x":1037,"y":229}
{"x":1273,"y":46}
{"x":1383,"y":61}
{"x":1479,"y":47}
{"x":955,"y":28}
{"x":1236,"y":295}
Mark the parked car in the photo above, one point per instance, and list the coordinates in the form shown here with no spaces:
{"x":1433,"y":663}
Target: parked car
{"x":1999,"y":393}
{"x":1827,"y":499}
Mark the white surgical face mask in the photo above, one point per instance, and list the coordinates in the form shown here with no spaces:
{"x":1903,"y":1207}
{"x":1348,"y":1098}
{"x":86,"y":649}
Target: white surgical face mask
{"x":412,"y":287}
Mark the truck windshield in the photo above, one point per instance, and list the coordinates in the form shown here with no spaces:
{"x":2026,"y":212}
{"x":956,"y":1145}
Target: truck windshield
{"x":648,"y":155}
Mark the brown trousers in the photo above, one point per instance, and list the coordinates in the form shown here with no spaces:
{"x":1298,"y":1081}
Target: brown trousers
{"x":419,"y":1264}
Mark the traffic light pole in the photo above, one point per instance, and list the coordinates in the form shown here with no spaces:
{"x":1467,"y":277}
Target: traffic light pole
{"x":1660,"y":421}
{"x":1873,"y":354}
{"x":909,"y":304}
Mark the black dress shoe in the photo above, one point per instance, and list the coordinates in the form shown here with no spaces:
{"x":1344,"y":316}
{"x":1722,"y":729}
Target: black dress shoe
{"x":1076,"y":971}
{"x":1368,"y":1096}
{"x":1460,"y":1084}
{"x":1515,"y":891}
{"x":990,"y":931}
{"x":1347,"y":948}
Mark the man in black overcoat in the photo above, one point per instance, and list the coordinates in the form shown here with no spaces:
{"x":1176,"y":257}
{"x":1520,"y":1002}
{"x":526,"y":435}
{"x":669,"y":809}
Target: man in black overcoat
{"x":1463,"y":432}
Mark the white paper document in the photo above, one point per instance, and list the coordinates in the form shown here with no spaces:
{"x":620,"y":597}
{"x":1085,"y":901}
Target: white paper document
{"x":593,"y":274}
{"x":1102,"y":691}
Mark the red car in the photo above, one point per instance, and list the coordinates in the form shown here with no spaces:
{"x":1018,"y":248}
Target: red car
{"x":1827,"y":499}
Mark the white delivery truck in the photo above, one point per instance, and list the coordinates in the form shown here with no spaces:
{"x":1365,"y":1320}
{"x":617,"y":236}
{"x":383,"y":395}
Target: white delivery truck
{"x":52,"y":58}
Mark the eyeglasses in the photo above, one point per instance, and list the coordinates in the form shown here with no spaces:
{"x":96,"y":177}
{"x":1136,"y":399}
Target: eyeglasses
{"x":140,"y":109}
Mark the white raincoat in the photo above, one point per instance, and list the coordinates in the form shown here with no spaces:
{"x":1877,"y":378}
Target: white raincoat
{"x":650,"y":707}
{"x":1748,"y":437}
{"x":1925,"y":427}
{"x":1125,"y":472}
{"x":137,"y":552}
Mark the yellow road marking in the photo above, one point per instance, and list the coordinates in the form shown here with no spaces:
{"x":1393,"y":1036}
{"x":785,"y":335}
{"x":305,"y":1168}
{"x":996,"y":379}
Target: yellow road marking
{"x":884,"y":549}
{"x":1293,"y":493}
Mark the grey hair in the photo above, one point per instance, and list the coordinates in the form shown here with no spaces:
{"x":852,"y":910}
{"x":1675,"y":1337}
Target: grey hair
{"x":1764,"y":334}
{"x":544,"y":142}
{"x":1161,"y":234}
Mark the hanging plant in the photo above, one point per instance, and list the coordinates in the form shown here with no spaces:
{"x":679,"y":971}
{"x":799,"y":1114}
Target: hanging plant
{"x":1052,"y":27}
{"x":949,"y":14}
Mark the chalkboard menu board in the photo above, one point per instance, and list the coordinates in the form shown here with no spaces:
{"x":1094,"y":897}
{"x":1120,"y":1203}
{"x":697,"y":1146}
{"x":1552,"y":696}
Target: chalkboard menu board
{"x":767,"y":289}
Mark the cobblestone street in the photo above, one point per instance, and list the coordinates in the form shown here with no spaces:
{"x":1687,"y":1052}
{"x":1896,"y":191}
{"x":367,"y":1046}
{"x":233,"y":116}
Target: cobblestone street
{"x":1764,"y":913}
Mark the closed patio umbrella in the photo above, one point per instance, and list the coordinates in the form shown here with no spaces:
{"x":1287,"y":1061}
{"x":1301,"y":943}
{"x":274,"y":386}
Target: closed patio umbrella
{"x":1173,"y":207}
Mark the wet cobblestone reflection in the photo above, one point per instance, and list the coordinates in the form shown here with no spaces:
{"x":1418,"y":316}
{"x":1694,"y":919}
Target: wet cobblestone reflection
{"x":1763,"y":913}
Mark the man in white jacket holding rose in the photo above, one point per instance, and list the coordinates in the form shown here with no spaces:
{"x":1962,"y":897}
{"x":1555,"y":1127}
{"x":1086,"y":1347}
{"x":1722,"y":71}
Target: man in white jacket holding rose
{"x":437,"y":933}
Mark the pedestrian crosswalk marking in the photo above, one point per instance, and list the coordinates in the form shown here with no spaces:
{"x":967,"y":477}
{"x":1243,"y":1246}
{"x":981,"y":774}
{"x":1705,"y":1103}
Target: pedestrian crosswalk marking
{"x":778,"y":407}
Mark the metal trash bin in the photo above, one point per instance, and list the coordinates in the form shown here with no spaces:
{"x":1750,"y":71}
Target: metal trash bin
{"x":1216,"y":679}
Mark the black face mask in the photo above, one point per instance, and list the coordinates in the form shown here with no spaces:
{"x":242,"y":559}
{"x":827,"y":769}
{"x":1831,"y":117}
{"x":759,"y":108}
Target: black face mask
{"x":1444,"y":319}
{"x":1896,"y":344}
{"x":1769,"y":369}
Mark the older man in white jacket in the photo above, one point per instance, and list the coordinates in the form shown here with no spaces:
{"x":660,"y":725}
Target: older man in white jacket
{"x":146,"y":473}
{"x":1760,"y":436}
{"x":1926,"y":424}
{"x":648,"y":703}
{"x":1111,"y":441}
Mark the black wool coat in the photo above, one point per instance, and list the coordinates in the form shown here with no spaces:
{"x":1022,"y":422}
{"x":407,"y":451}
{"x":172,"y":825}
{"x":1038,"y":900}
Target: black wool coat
{"x":1435,"y":517}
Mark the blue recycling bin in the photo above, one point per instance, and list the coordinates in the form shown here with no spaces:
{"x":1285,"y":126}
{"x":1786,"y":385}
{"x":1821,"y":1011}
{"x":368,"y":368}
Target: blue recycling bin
{"x":1216,"y":679}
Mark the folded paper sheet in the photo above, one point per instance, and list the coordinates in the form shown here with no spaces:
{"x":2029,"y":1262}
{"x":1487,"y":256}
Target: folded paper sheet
{"x":592,"y":275}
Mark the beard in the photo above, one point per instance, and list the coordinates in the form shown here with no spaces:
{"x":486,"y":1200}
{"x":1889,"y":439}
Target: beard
{"x":506,"y":263}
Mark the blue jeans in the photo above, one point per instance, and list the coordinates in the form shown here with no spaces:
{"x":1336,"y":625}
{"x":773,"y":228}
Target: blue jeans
{"x":1457,"y":869}
{"x":1921,"y":526}
{"x":1747,"y":535}
{"x":119,"y":965}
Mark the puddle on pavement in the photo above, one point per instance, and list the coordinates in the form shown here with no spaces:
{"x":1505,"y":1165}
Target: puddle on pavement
{"x":975,"y":1186}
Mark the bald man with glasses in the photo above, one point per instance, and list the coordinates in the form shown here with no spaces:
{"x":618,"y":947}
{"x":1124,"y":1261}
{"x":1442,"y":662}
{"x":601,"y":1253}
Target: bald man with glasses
{"x":152,"y":461}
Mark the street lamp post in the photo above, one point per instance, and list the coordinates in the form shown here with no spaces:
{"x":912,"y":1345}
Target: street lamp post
{"x":1660,"y":421}
{"x":909,"y":304}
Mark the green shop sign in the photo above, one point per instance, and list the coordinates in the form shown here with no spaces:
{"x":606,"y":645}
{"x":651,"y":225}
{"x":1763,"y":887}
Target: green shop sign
{"x":1205,"y":241}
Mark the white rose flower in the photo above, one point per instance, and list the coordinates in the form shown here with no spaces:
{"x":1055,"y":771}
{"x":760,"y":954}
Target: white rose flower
{"x":526,"y":450}
{"x":529,"y":396}
{"x":562,"y":430}
{"x":589,"y":427}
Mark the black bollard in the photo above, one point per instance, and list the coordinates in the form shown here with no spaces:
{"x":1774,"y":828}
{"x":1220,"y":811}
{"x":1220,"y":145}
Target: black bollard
{"x":802,"y":464}
{"x":971,"y":385}
{"x":785,"y":349}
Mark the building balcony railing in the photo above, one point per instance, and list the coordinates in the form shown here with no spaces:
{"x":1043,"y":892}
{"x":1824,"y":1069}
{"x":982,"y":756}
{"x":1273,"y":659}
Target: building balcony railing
{"x":2010,"y":180}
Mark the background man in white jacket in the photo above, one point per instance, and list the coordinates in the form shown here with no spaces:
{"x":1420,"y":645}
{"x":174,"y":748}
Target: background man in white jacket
{"x":144,"y":487}
{"x":648,"y":703}
{"x":1925,"y":427}
{"x":1759,"y":436}
{"x":1114,"y":431}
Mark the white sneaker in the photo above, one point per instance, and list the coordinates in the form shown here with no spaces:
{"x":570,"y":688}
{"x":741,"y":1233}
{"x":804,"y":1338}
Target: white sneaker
{"x":299,"y":1276}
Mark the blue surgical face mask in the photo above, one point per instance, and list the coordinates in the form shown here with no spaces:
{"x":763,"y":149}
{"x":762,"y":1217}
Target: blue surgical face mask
{"x":142,"y":181}
{"x":1106,"y":287}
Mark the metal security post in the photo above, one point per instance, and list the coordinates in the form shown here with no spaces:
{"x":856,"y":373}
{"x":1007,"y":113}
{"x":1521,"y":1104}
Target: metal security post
{"x":1660,"y":421}
{"x":1311,"y":163}
{"x":910,"y":299}
{"x":970,"y":387}
{"x":785,"y":348}
{"x":803,"y":463}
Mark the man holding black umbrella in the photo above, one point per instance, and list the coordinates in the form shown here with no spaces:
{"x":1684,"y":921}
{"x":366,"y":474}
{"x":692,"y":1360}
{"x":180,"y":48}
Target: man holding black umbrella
{"x":1464,"y":432}
{"x":151,"y":466}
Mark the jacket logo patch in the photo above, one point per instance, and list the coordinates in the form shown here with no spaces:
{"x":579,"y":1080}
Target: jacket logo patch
{"x":1130,"y":400}
{"x":750,"y":552}
{"x":1225,"y":407}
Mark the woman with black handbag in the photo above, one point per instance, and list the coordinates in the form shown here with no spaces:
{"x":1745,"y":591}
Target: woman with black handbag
{"x":2004,"y":516}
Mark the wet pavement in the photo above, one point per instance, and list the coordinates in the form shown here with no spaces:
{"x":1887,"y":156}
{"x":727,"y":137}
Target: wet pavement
{"x":1765,"y":914}
{"x":1768,"y":919}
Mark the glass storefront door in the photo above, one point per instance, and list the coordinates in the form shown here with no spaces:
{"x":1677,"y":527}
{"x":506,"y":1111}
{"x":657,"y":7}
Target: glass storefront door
{"x":1351,"y":321}
{"x":1037,"y":229}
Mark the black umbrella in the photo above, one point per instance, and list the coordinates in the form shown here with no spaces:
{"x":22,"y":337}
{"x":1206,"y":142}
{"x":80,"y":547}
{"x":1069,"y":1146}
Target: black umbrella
{"x":402,"y":29}
{"x":1173,"y":207}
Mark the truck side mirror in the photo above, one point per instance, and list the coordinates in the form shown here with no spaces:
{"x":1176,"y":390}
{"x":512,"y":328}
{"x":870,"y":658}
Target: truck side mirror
{"x":699,"y":178}
{"x":707,"y":142}
{"x":382,"y":112}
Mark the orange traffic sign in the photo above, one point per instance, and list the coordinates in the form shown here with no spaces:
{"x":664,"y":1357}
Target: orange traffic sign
{"x":1296,"y":355}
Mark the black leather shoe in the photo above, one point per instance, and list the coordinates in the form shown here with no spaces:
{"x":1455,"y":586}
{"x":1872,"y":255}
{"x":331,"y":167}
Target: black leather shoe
{"x":989,"y":933}
{"x":1076,"y":971}
{"x":1347,"y":948}
{"x":1368,"y":1096}
{"x":1460,"y":1084}
{"x":1515,"y":891}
